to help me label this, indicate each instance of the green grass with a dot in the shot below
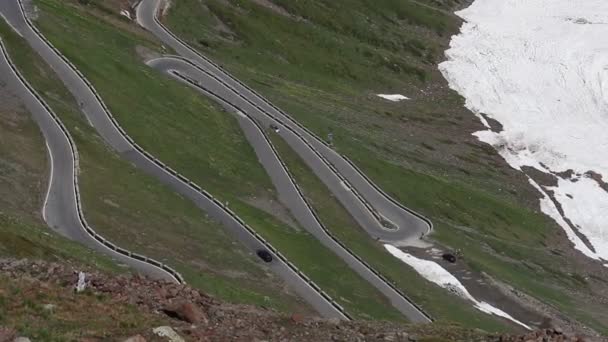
(191, 134)
(323, 65)
(23, 164)
(136, 212)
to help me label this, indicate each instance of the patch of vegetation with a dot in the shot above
(23, 165)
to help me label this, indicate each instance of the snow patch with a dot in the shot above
(393, 97)
(435, 273)
(125, 13)
(540, 68)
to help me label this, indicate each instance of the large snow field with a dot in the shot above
(540, 68)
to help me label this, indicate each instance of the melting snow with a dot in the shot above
(440, 276)
(125, 13)
(393, 97)
(544, 76)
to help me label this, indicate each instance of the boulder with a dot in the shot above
(186, 311)
(136, 338)
(169, 333)
(22, 339)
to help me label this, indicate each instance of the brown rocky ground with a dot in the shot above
(38, 300)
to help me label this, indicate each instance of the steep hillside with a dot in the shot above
(324, 61)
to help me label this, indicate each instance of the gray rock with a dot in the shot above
(136, 338)
(169, 333)
(22, 339)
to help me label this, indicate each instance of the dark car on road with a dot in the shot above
(264, 255)
(449, 257)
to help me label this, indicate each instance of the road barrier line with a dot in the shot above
(303, 198)
(75, 160)
(189, 183)
(361, 199)
(289, 118)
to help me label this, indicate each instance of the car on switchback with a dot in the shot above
(264, 255)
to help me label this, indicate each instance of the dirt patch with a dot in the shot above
(165, 7)
(277, 9)
(274, 208)
(480, 289)
(557, 318)
(598, 179)
(574, 227)
(146, 54)
(495, 126)
(542, 178)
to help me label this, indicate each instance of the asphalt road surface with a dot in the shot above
(61, 208)
(287, 189)
(381, 216)
(101, 120)
(364, 201)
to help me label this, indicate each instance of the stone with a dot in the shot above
(169, 333)
(22, 339)
(297, 318)
(391, 337)
(403, 336)
(186, 311)
(333, 321)
(136, 338)
(82, 282)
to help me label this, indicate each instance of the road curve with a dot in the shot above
(62, 208)
(288, 191)
(371, 207)
(109, 129)
(380, 215)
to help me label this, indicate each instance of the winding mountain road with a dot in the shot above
(107, 127)
(287, 189)
(381, 216)
(62, 209)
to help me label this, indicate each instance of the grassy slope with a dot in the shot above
(135, 211)
(189, 133)
(22, 161)
(20, 239)
(338, 220)
(420, 151)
